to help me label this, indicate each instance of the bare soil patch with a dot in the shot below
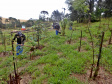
(25, 79)
(4, 54)
(70, 42)
(40, 47)
(102, 78)
(0, 43)
(35, 57)
(59, 53)
(84, 39)
(45, 81)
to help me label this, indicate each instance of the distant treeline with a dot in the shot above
(13, 22)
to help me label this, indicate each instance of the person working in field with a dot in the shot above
(57, 27)
(20, 42)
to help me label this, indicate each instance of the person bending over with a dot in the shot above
(20, 42)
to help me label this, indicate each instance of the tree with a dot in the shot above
(29, 23)
(78, 9)
(108, 7)
(10, 20)
(0, 19)
(18, 24)
(6, 20)
(13, 22)
(73, 14)
(45, 13)
(67, 16)
(64, 10)
(56, 15)
(82, 9)
(1, 22)
(41, 17)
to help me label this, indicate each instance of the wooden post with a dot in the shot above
(31, 56)
(10, 79)
(80, 41)
(99, 57)
(110, 38)
(14, 64)
(38, 40)
(4, 44)
(33, 36)
(9, 39)
(27, 35)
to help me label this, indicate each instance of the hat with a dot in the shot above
(19, 33)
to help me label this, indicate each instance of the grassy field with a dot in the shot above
(60, 62)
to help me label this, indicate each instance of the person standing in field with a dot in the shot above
(20, 42)
(57, 27)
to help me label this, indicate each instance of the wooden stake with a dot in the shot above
(80, 41)
(99, 57)
(71, 37)
(38, 40)
(110, 38)
(14, 63)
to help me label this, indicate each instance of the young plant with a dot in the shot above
(63, 25)
(92, 49)
(39, 32)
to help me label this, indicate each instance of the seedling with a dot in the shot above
(92, 49)
(63, 25)
(70, 37)
(32, 51)
(38, 29)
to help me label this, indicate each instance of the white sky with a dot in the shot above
(26, 9)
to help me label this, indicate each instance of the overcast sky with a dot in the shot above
(26, 9)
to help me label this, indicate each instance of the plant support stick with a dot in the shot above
(80, 41)
(99, 57)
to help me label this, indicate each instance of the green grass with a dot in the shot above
(58, 60)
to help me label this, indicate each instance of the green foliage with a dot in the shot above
(39, 80)
(30, 69)
(35, 74)
(58, 61)
(80, 5)
(33, 43)
(63, 26)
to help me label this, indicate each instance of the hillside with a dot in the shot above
(56, 59)
(3, 20)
